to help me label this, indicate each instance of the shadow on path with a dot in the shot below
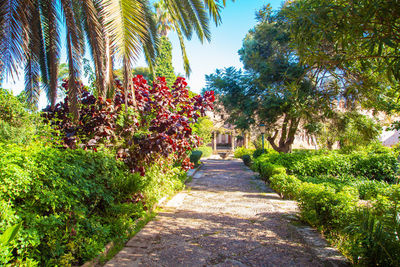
(223, 220)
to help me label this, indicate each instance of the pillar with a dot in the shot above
(215, 142)
(233, 140)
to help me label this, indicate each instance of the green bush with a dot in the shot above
(18, 123)
(195, 157)
(241, 151)
(258, 152)
(375, 166)
(247, 160)
(368, 189)
(71, 202)
(381, 166)
(286, 185)
(206, 150)
(267, 169)
(324, 207)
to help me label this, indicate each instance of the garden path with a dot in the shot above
(226, 217)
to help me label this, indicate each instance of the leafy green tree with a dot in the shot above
(351, 130)
(18, 121)
(203, 128)
(277, 90)
(234, 88)
(163, 64)
(356, 41)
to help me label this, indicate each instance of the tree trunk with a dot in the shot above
(108, 64)
(288, 132)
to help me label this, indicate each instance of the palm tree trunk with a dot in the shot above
(74, 53)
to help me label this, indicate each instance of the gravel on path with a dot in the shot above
(226, 217)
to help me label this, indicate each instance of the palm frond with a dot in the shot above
(132, 27)
(32, 73)
(186, 64)
(51, 29)
(14, 28)
(93, 23)
(179, 17)
(199, 19)
(214, 8)
(32, 65)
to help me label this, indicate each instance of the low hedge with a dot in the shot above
(366, 232)
(71, 202)
(374, 166)
(247, 160)
(195, 157)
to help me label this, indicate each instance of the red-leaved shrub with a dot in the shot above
(158, 128)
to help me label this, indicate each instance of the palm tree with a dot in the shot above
(30, 34)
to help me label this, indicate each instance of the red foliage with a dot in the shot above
(159, 128)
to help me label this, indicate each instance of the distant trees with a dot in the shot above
(203, 128)
(349, 130)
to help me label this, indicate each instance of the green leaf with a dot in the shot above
(10, 234)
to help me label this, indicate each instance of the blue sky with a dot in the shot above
(237, 19)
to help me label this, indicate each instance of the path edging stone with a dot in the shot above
(328, 255)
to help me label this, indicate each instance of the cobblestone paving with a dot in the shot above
(225, 218)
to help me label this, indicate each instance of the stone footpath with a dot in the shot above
(226, 217)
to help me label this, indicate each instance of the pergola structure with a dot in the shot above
(224, 135)
(224, 142)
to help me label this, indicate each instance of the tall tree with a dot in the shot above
(163, 64)
(277, 90)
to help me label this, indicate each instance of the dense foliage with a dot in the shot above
(72, 202)
(73, 188)
(163, 63)
(18, 123)
(353, 198)
(205, 150)
(160, 126)
(203, 128)
(355, 42)
(354, 36)
(241, 151)
(350, 130)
